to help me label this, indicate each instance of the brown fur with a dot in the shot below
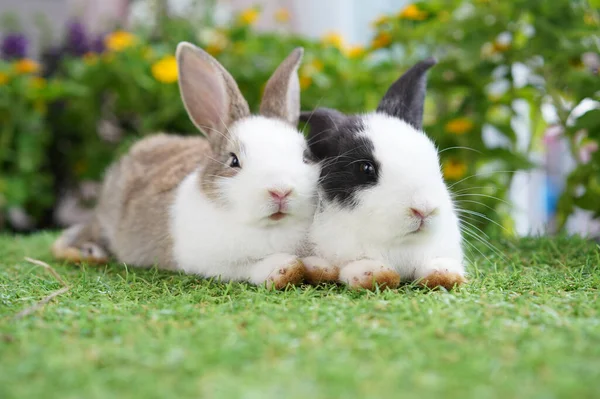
(316, 273)
(446, 280)
(288, 275)
(384, 278)
(131, 220)
(276, 103)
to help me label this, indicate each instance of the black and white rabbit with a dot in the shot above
(385, 213)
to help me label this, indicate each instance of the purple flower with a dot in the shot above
(97, 45)
(76, 42)
(14, 45)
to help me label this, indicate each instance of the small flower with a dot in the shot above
(459, 126)
(14, 45)
(412, 12)
(334, 39)
(355, 52)
(165, 70)
(282, 15)
(37, 82)
(502, 42)
(305, 82)
(76, 41)
(90, 58)
(119, 40)
(383, 39)
(249, 16)
(3, 78)
(454, 169)
(214, 49)
(97, 45)
(26, 65)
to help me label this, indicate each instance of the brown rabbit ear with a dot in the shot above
(281, 98)
(210, 95)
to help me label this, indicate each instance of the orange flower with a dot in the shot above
(165, 69)
(454, 169)
(282, 15)
(334, 39)
(305, 82)
(412, 12)
(90, 58)
(249, 16)
(26, 65)
(459, 126)
(355, 52)
(383, 39)
(3, 78)
(119, 40)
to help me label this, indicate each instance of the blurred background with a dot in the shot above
(513, 103)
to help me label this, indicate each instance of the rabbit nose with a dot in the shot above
(422, 213)
(279, 195)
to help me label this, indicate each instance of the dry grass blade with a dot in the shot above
(48, 298)
(49, 268)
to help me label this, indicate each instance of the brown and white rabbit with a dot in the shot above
(384, 213)
(236, 205)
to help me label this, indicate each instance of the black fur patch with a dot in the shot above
(335, 141)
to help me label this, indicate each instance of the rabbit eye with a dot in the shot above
(367, 168)
(234, 161)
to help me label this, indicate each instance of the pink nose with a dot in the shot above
(279, 195)
(421, 213)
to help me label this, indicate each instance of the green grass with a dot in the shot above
(527, 326)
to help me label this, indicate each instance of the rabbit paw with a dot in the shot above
(318, 270)
(443, 272)
(87, 253)
(368, 274)
(278, 270)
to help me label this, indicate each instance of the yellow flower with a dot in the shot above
(334, 39)
(282, 15)
(26, 65)
(454, 169)
(459, 126)
(37, 82)
(3, 78)
(413, 13)
(382, 20)
(355, 52)
(305, 82)
(119, 40)
(383, 39)
(214, 49)
(500, 47)
(165, 69)
(249, 16)
(90, 58)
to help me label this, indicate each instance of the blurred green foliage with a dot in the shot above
(70, 126)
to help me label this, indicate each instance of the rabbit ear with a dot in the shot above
(281, 98)
(210, 95)
(324, 123)
(405, 99)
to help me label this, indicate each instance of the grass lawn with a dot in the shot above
(527, 326)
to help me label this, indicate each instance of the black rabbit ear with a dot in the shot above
(405, 98)
(323, 124)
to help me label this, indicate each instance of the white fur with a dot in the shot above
(380, 226)
(237, 241)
